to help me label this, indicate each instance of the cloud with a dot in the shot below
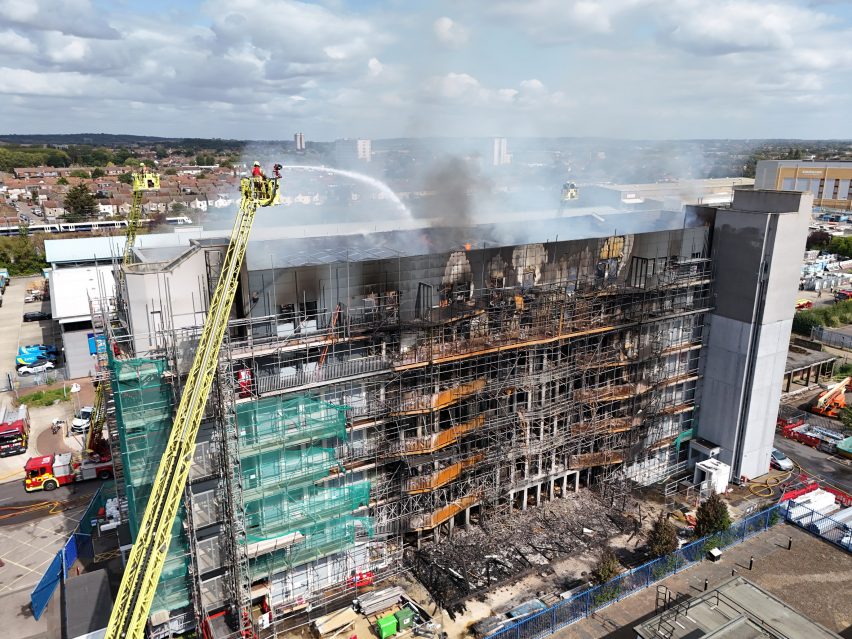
(73, 17)
(15, 43)
(449, 33)
(733, 26)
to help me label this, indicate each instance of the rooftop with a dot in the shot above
(72, 288)
(736, 609)
(325, 244)
(90, 249)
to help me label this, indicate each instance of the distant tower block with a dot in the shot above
(299, 139)
(501, 154)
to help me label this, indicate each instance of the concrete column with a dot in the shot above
(565, 486)
(450, 525)
(550, 489)
(466, 518)
(524, 502)
(576, 482)
(538, 494)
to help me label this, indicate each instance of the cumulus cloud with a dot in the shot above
(734, 26)
(450, 33)
(554, 67)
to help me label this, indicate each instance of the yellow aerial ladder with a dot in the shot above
(139, 583)
(143, 181)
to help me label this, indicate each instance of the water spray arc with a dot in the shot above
(380, 186)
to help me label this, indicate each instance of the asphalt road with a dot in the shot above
(832, 469)
(17, 506)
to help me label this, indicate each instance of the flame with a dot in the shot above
(467, 246)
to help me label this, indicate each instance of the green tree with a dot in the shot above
(662, 538)
(841, 246)
(178, 207)
(712, 516)
(607, 567)
(126, 178)
(20, 254)
(205, 159)
(170, 171)
(62, 181)
(161, 152)
(79, 203)
(97, 173)
(80, 173)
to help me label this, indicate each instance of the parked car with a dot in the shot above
(780, 461)
(38, 348)
(35, 368)
(29, 297)
(27, 356)
(35, 316)
(33, 360)
(80, 424)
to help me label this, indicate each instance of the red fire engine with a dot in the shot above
(51, 471)
(14, 431)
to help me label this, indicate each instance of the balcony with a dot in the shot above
(609, 393)
(605, 426)
(435, 442)
(438, 517)
(588, 460)
(428, 483)
(421, 404)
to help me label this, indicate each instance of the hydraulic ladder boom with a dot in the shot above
(139, 583)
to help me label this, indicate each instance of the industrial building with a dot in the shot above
(376, 391)
(827, 181)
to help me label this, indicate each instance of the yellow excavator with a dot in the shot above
(139, 583)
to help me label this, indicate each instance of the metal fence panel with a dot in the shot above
(582, 605)
(69, 554)
(41, 594)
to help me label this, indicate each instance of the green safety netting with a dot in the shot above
(320, 540)
(144, 412)
(285, 454)
(845, 447)
(284, 449)
(277, 422)
(291, 511)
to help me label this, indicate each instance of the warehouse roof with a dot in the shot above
(88, 250)
(72, 288)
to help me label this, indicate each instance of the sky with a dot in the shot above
(264, 69)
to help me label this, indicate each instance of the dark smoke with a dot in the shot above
(454, 184)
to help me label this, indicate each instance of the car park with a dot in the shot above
(80, 424)
(35, 316)
(36, 368)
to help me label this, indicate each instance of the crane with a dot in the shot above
(139, 583)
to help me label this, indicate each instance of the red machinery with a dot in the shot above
(48, 472)
(832, 400)
(14, 431)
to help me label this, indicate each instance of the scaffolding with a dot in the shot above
(390, 406)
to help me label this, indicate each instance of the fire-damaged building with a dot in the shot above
(377, 390)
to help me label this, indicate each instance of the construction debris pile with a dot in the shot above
(503, 550)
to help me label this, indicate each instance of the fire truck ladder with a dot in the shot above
(142, 182)
(142, 573)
